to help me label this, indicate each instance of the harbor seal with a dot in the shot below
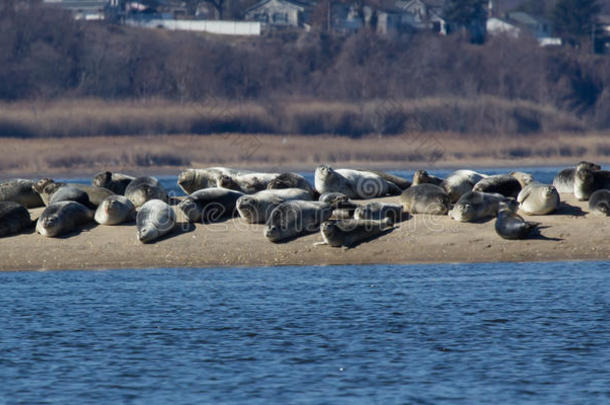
(510, 225)
(247, 183)
(460, 182)
(586, 181)
(599, 202)
(14, 218)
(191, 180)
(538, 199)
(349, 232)
(115, 210)
(378, 210)
(475, 205)
(425, 199)
(523, 178)
(256, 208)
(69, 193)
(504, 184)
(343, 207)
(20, 191)
(154, 220)
(400, 182)
(63, 217)
(291, 180)
(294, 218)
(423, 177)
(142, 189)
(46, 187)
(353, 183)
(564, 180)
(115, 182)
(210, 204)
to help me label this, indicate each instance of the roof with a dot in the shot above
(523, 18)
(294, 3)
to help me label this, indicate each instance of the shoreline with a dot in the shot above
(570, 234)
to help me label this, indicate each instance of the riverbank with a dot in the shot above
(569, 234)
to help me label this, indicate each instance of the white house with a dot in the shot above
(277, 13)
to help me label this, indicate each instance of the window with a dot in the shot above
(280, 18)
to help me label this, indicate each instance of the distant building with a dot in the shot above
(423, 14)
(86, 9)
(518, 23)
(278, 13)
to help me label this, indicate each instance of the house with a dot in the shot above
(85, 9)
(496, 26)
(519, 23)
(278, 13)
(538, 27)
(423, 15)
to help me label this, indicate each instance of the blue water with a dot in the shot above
(479, 333)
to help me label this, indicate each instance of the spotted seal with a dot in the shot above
(291, 219)
(423, 177)
(599, 202)
(342, 206)
(14, 218)
(63, 217)
(142, 189)
(350, 232)
(475, 205)
(291, 180)
(510, 225)
(115, 210)
(353, 183)
(425, 199)
(154, 220)
(564, 180)
(115, 182)
(256, 208)
(69, 193)
(586, 181)
(247, 183)
(379, 210)
(523, 178)
(460, 182)
(20, 191)
(504, 184)
(210, 204)
(191, 180)
(538, 199)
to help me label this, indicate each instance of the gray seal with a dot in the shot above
(291, 180)
(599, 202)
(538, 199)
(115, 182)
(474, 206)
(423, 177)
(143, 189)
(294, 218)
(379, 210)
(504, 184)
(154, 220)
(564, 180)
(353, 183)
(14, 218)
(69, 193)
(586, 181)
(20, 191)
(115, 210)
(460, 182)
(350, 232)
(510, 225)
(191, 180)
(63, 217)
(210, 204)
(256, 208)
(425, 199)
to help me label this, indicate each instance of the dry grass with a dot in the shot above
(86, 155)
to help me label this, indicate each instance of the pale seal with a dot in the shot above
(63, 217)
(353, 183)
(143, 189)
(20, 191)
(425, 199)
(247, 183)
(115, 182)
(154, 220)
(523, 178)
(191, 180)
(460, 182)
(294, 218)
(504, 184)
(423, 177)
(538, 199)
(510, 225)
(115, 210)
(291, 180)
(378, 210)
(350, 232)
(599, 202)
(210, 204)
(14, 218)
(256, 208)
(564, 180)
(586, 181)
(474, 206)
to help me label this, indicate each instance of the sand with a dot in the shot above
(571, 233)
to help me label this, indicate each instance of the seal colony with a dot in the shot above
(337, 206)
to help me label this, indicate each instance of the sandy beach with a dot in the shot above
(571, 233)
